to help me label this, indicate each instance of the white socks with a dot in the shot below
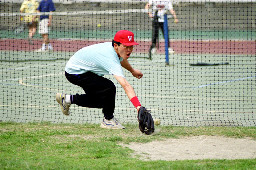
(49, 47)
(43, 47)
(67, 99)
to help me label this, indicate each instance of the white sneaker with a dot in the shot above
(41, 50)
(50, 48)
(111, 124)
(153, 51)
(171, 51)
(60, 98)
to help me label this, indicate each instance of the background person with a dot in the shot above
(45, 23)
(86, 69)
(30, 6)
(160, 7)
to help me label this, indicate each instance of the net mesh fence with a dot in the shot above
(210, 81)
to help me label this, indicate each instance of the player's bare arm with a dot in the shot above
(146, 122)
(147, 6)
(136, 73)
(127, 88)
(50, 19)
(174, 15)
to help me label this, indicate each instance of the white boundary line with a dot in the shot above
(21, 81)
(227, 81)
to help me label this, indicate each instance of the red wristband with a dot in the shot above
(135, 101)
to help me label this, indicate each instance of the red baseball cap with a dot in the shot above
(125, 37)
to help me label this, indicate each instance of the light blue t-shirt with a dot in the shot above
(100, 59)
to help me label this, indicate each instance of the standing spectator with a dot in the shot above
(160, 7)
(30, 6)
(45, 23)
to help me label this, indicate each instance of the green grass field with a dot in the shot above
(86, 146)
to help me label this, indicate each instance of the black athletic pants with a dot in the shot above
(155, 32)
(100, 92)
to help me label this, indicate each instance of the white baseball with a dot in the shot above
(157, 122)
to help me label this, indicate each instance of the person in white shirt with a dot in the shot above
(159, 8)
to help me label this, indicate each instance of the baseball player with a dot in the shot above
(86, 69)
(159, 7)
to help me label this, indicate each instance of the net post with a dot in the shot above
(166, 39)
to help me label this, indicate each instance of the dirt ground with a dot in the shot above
(196, 147)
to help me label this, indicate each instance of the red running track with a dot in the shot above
(179, 46)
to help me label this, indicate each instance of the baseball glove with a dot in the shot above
(146, 122)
